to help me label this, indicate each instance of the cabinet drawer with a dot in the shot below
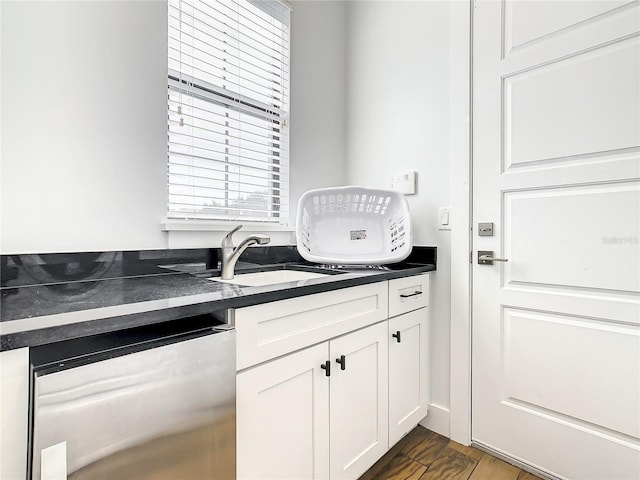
(272, 329)
(408, 293)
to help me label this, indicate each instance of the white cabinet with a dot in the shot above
(291, 413)
(408, 372)
(295, 421)
(14, 404)
(282, 411)
(408, 354)
(273, 329)
(358, 399)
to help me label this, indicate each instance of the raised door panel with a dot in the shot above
(408, 372)
(557, 113)
(529, 24)
(283, 418)
(547, 358)
(358, 401)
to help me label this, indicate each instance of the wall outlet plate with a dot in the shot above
(405, 183)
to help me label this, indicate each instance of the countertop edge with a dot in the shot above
(34, 331)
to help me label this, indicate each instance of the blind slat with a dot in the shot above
(211, 47)
(176, 155)
(267, 37)
(244, 149)
(243, 15)
(207, 195)
(241, 210)
(235, 197)
(240, 205)
(200, 175)
(208, 184)
(206, 50)
(244, 215)
(234, 156)
(219, 213)
(177, 175)
(195, 169)
(253, 134)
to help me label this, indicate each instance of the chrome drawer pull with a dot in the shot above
(407, 295)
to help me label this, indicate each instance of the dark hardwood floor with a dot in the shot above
(426, 455)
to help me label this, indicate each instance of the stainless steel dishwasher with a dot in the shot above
(147, 403)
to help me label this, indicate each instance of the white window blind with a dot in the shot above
(228, 103)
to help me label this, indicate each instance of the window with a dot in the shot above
(228, 102)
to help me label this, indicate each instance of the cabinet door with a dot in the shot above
(283, 418)
(14, 405)
(408, 372)
(359, 401)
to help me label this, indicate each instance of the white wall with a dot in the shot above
(317, 96)
(398, 120)
(83, 125)
(83, 122)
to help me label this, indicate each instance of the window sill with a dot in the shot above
(210, 226)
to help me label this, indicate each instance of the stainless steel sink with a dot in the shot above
(273, 277)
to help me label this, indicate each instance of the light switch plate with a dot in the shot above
(444, 218)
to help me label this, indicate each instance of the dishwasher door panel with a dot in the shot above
(165, 412)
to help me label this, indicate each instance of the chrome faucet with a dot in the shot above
(230, 255)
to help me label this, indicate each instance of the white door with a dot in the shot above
(358, 401)
(408, 372)
(556, 141)
(283, 418)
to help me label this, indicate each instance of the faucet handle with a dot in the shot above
(227, 241)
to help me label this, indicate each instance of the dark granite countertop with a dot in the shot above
(47, 298)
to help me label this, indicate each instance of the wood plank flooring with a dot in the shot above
(426, 455)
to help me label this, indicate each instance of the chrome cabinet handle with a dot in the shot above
(485, 257)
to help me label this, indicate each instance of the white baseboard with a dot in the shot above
(437, 420)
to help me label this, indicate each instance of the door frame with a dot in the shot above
(460, 72)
